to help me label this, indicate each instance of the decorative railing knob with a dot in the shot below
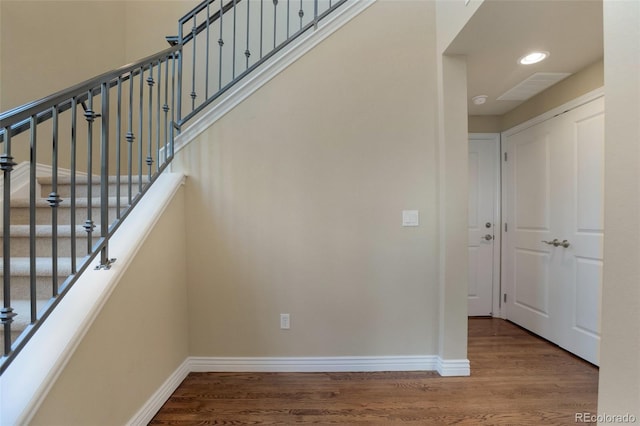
(54, 199)
(6, 163)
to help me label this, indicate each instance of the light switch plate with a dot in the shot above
(410, 218)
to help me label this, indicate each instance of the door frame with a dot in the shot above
(496, 305)
(567, 106)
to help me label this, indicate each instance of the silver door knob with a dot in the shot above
(565, 243)
(556, 242)
(488, 237)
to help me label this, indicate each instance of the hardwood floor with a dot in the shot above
(517, 379)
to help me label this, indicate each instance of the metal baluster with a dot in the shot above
(315, 14)
(174, 96)
(301, 13)
(193, 70)
(130, 138)
(165, 107)
(118, 140)
(33, 186)
(140, 136)
(275, 20)
(220, 44)
(247, 52)
(54, 201)
(90, 116)
(288, 15)
(6, 313)
(206, 81)
(158, 116)
(178, 108)
(149, 160)
(261, 24)
(74, 127)
(105, 262)
(233, 53)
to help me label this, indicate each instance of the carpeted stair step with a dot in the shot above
(20, 276)
(20, 240)
(20, 211)
(64, 185)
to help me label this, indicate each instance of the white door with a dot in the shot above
(484, 151)
(554, 212)
(582, 261)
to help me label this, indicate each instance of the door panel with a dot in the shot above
(589, 146)
(585, 229)
(528, 278)
(554, 190)
(531, 173)
(531, 286)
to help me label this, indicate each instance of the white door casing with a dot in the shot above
(484, 224)
(554, 190)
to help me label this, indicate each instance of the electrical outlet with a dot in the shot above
(285, 322)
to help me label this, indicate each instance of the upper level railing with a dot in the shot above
(225, 41)
(106, 140)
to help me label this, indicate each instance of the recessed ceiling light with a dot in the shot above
(533, 58)
(479, 100)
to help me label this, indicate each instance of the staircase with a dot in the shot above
(126, 120)
(68, 242)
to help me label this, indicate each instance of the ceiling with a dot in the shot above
(502, 31)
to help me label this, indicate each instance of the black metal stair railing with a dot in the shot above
(113, 135)
(225, 41)
(106, 140)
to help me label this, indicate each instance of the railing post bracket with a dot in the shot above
(106, 265)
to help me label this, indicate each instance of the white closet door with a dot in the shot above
(528, 277)
(555, 192)
(582, 261)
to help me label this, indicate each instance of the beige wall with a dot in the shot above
(619, 390)
(453, 15)
(453, 203)
(485, 123)
(295, 200)
(137, 341)
(50, 45)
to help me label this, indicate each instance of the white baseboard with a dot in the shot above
(153, 404)
(314, 364)
(453, 367)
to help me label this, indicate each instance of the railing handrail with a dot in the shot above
(203, 25)
(13, 117)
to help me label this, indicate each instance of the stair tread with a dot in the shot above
(66, 203)
(21, 266)
(23, 231)
(80, 180)
(22, 307)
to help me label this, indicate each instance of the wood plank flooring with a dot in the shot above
(517, 379)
